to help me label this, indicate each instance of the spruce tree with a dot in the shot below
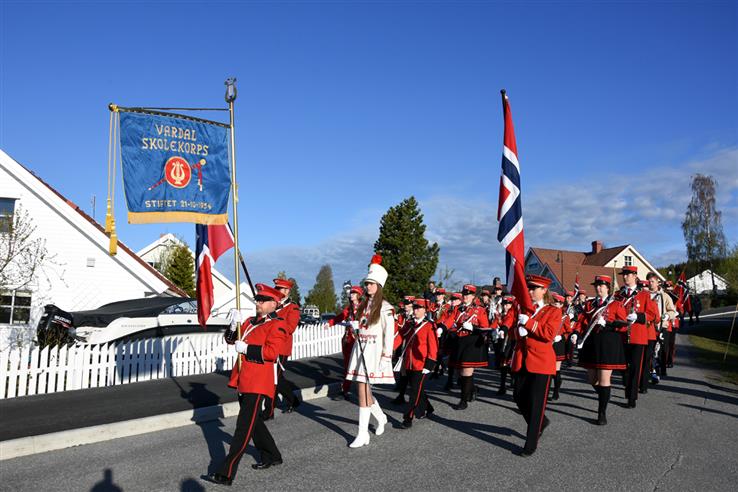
(179, 266)
(406, 253)
(323, 293)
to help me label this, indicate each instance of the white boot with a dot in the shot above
(362, 438)
(381, 418)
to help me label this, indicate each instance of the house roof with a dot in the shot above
(171, 287)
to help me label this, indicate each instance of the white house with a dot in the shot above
(702, 283)
(80, 274)
(223, 289)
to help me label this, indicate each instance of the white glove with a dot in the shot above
(523, 319)
(234, 316)
(571, 316)
(601, 321)
(664, 316)
(557, 338)
(522, 331)
(355, 326)
(500, 334)
(467, 326)
(573, 338)
(661, 336)
(439, 332)
(241, 346)
(425, 371)
(632, 317)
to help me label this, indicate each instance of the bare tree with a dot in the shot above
(22, 253)
(702, 228)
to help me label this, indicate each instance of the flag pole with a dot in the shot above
(230, 97)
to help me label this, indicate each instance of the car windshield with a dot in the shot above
(189, 307)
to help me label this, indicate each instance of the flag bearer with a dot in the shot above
(262, 340)
(418, 360)
(534, 361)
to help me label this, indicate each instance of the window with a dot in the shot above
(628, 260)
(15, 307)
(7, 208)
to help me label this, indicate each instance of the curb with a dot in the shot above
(25, 446)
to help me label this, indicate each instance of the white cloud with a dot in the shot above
(644, 210)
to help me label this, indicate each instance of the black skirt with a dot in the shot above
(504, 349)
(560, 349)
(603, 350)
(470, 351)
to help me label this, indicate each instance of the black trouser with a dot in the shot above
(249, 425)
(285, 388)
(664, 351)
(671, 349)
(530, 396)
(402, 380)
(418, 403)
(646, 366)
(634, 355)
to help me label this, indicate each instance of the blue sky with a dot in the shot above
(346, 108)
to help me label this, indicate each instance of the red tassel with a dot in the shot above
(376, 259)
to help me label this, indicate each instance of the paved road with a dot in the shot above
(682, 436)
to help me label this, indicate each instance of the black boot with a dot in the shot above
(557, 385)
(603, 397)
(464, 383)
(503, 382)
(473, 390)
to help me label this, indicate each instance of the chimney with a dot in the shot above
(596, 247)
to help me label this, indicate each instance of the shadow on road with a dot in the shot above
(327, 420)
(710, 410)
(191, 485)
(106, 485)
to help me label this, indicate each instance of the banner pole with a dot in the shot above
(230, 97)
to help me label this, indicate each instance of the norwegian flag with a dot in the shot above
(682, 293)
(212, 242)
(576, 285)
(510, 214)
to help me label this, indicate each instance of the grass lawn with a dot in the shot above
(709, 341)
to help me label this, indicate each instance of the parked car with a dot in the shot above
(327, 317)
(133, 319)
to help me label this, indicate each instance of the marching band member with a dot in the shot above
(571, 310)
(534, 361)
(436, 311)
(641, 311)
(602, 349)
(347, 342)
(505, 344)
(371, 359)
(448, 337)
(667, 314)
(560, 340)
(417, 360)
(403, 323)
(262, 341)
(471, 325)
(290, 312)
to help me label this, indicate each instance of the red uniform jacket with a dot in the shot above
(265, 338)
(614, 315)
(290, 313)
(346, 315)
(421, 351)
(535, 350)
(639, 302)
(448, 316)
(476, 315)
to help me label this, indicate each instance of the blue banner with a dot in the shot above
(174, 169)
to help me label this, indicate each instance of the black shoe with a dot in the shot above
(643, 391)
(428, 414)
(217, 478)
(462, 405)
(631, 404)
(601, 419)
(555, 396)
(267, 416)
(264, 466)
(400, 400)
(524, 453)
(292, 407)
(501, 391)
(406, 424)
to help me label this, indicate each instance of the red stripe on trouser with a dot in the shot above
(248, 435)
(417, 396)
(545, 398)
(640, 370)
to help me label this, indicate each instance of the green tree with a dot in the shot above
(178, 265)
(323, 293)
(702, 228)
(406, 253)
(295, 291)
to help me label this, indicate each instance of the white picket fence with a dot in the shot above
(32, 371)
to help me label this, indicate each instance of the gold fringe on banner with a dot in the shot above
(159, 217)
